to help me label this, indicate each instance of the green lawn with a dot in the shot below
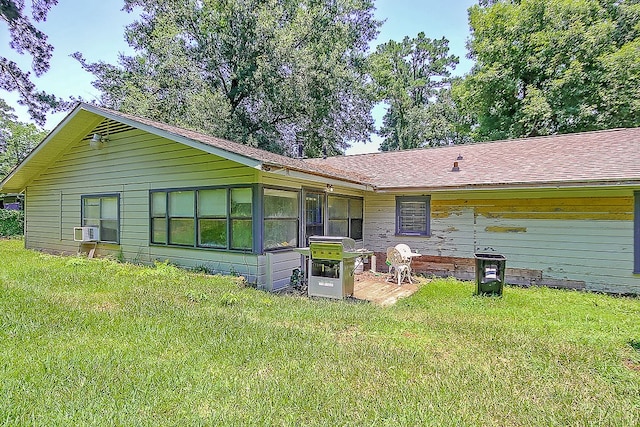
(95, 342)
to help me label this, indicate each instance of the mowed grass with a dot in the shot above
(95, 342)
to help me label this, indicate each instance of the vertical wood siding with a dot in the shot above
(575, 236)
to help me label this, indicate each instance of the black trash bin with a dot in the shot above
(490, 273)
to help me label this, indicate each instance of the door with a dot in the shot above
(314, 212)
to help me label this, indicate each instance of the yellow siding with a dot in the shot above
(579, 208)
(580, 235)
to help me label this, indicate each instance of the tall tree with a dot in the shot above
(26, 38)
(552, 66)
(412, 78)
(264, 72)
(17, 139)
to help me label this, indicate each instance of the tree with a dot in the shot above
(552, 66)
(25, 37)
(16, 139)
(268, 73)
(412, 78)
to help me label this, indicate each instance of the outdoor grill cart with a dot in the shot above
(331, 266)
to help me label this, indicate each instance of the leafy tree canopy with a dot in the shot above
(16, 139)
(552, 66)
(412, 78)
(26, 38)
(268, 73)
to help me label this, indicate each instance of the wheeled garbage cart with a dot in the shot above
(490, 273)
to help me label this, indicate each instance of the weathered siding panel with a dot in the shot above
(213, 261)
(575, 236)
(275, 269)
(131, 164)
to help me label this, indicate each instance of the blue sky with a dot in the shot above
(96, 29)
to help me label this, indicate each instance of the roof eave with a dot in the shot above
(26, 171)
(310, 175)
(229, 155)
(513, 186)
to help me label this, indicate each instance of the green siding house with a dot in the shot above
(562, 209)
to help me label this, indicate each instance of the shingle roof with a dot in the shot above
(581, 159)
(574, 159)
(571, 159)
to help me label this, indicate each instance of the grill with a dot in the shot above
(331, 266)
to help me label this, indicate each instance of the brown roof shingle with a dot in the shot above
(574, 159)
(582, 159)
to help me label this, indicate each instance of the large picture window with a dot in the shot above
(412, 215)
(103, 211)
(220, 218)
(280, 218)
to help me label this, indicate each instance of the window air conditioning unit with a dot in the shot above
(86, 234)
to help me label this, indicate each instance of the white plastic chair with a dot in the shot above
(399, 265)
(404, 250)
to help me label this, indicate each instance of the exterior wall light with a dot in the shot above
(97, 141)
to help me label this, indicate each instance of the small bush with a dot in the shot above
(11, 223)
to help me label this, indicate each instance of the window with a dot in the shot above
(103, 211)
(344, 217)
(241, 219)
(182, 227)
(338, 218)
(159, 217)
(636, 239)
(412, 215)
(280, 218)
(355, 218)
(212, 218)
(220, 218)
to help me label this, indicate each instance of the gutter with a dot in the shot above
(308, 174)
(513, 186)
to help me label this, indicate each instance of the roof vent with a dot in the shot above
(455, 167)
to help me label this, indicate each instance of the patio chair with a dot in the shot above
(399, 265)
(389, 250)
(404, 250)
